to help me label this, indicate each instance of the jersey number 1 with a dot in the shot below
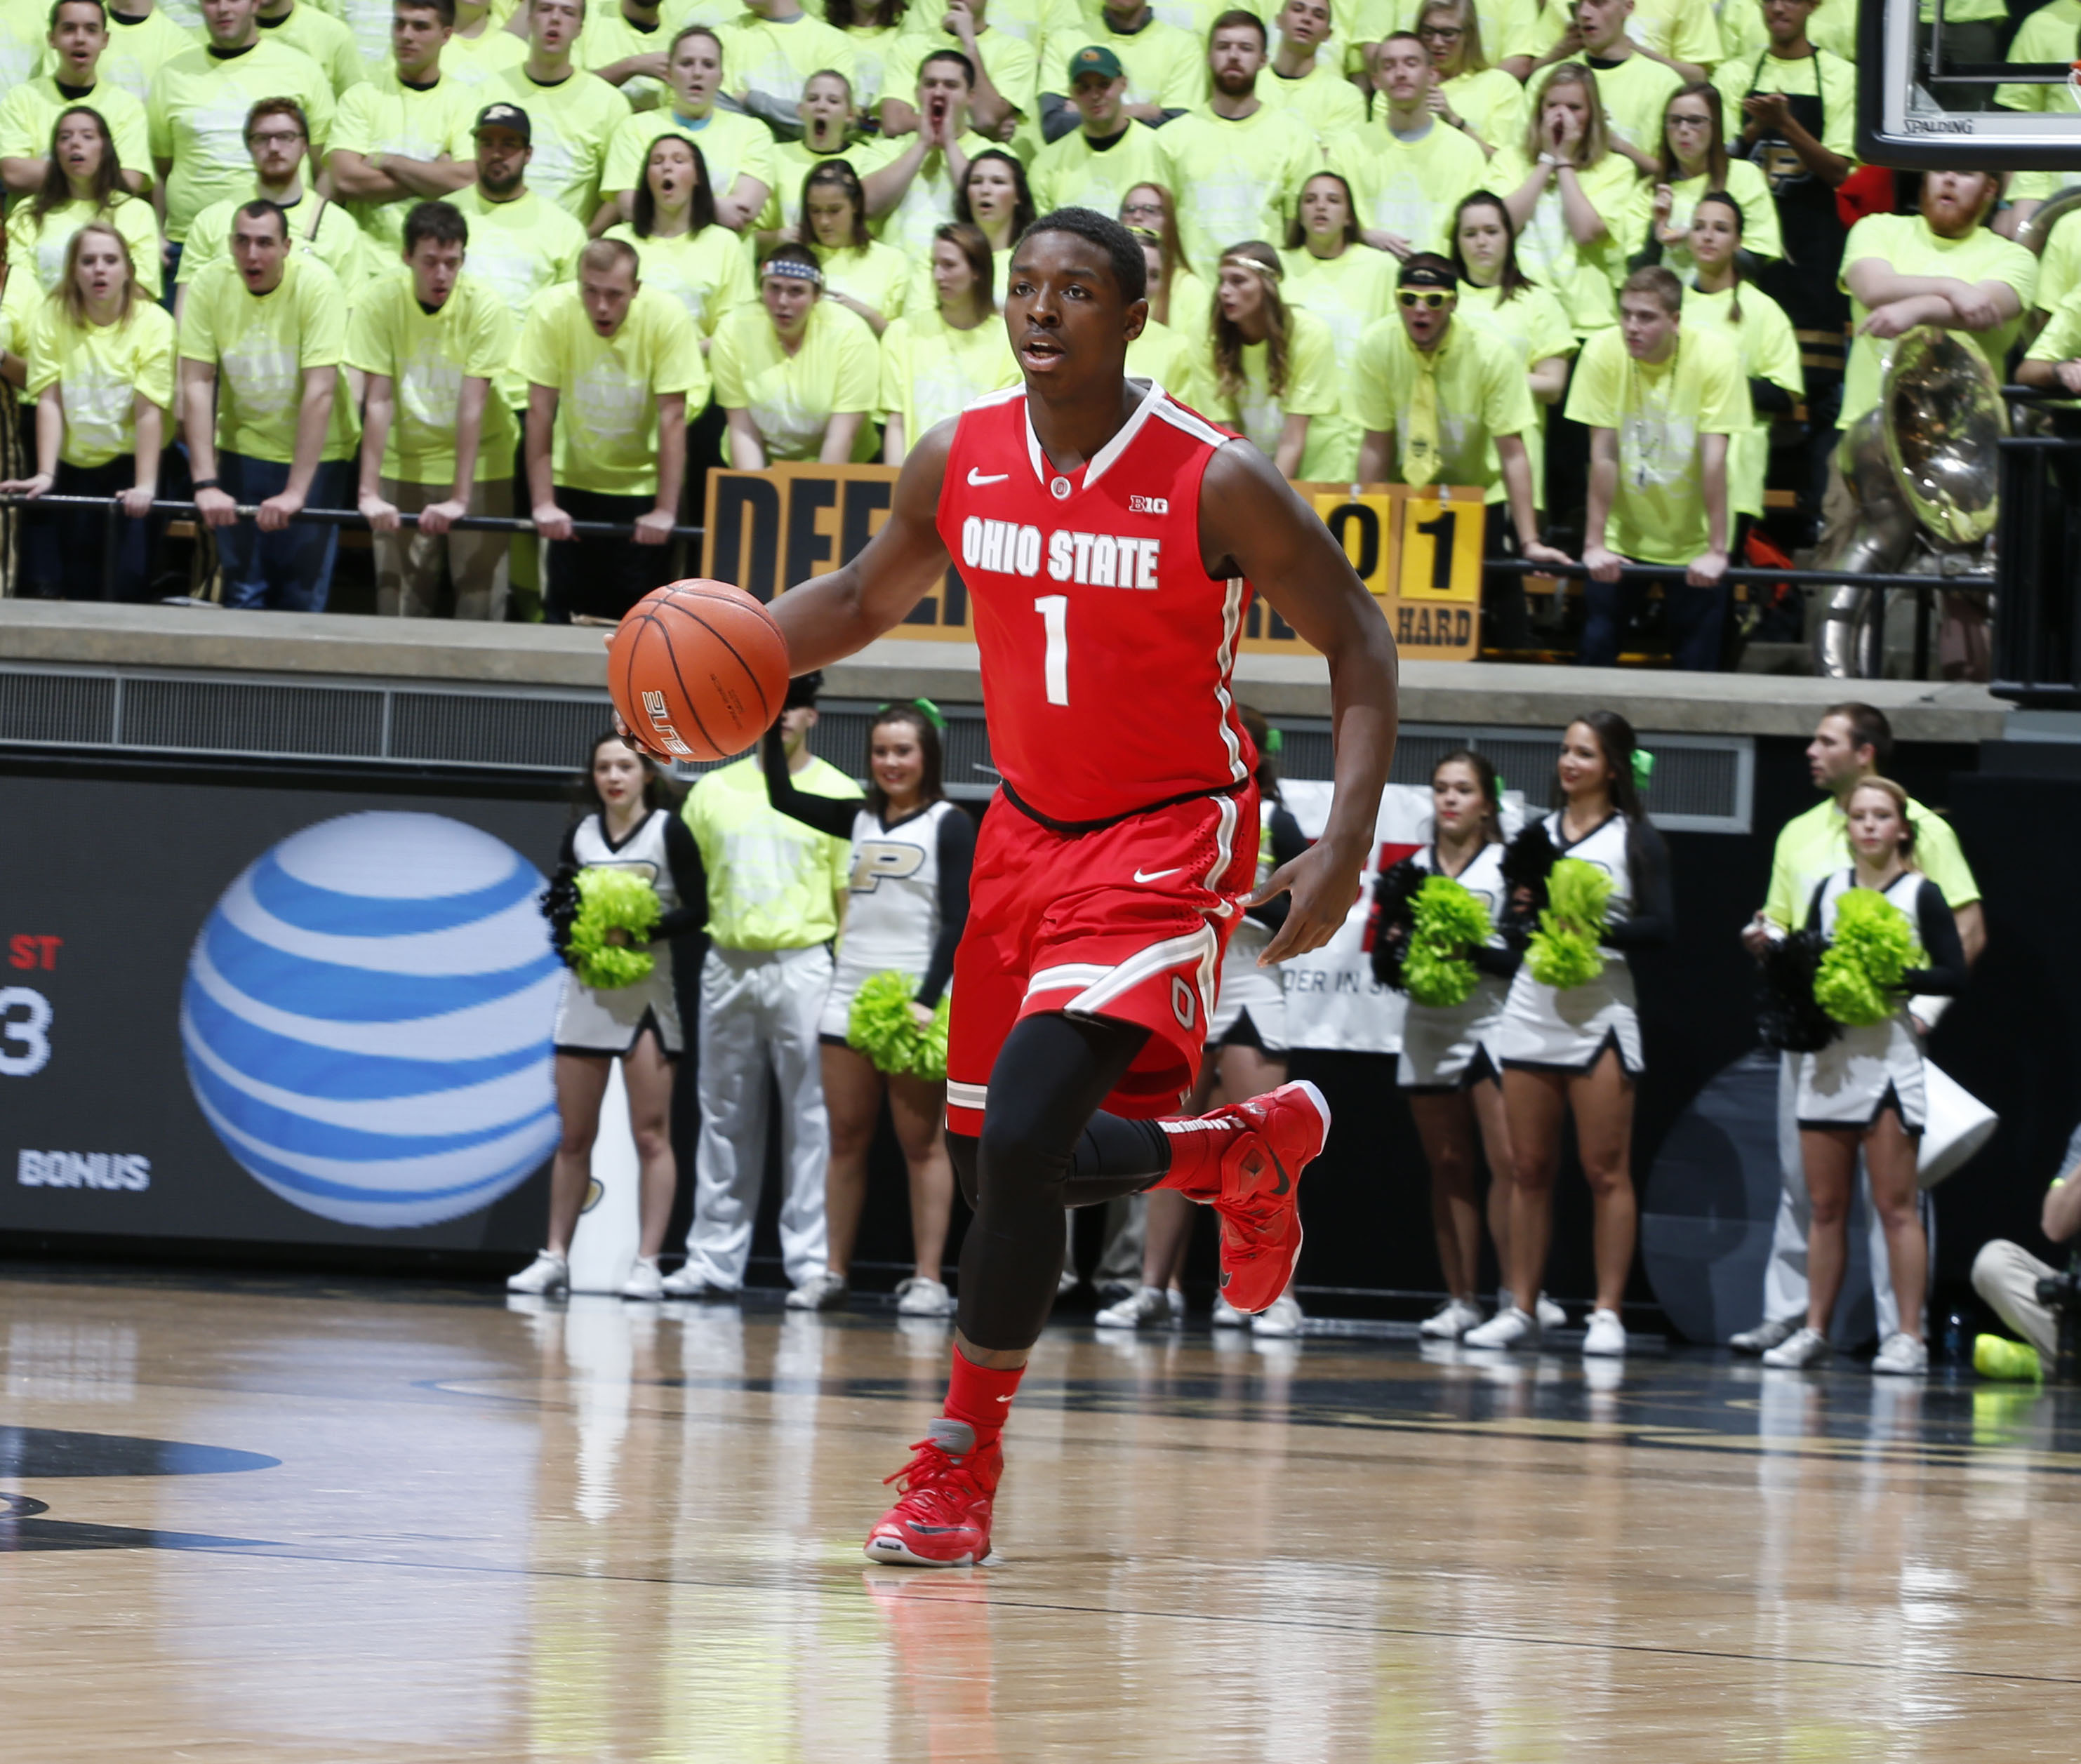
(1055, 610)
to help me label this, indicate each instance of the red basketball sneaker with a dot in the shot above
(1257, 1195)
(943, 1520)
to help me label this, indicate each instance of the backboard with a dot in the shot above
(1925, 102)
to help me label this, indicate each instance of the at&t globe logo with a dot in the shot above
(366, 1019)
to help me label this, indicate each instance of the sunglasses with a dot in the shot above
(1434, 298)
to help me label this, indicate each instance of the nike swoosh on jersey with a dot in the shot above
(1157, 876)
(978, 478)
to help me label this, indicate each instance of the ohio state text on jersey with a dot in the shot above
(1106, 647)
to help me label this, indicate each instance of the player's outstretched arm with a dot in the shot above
(832, 616)
(1252, 524)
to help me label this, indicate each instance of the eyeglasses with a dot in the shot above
(1433, 299)
(275, 137)
(1441, 33)
(1142, 207)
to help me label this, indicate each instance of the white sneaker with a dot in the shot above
(1278, 1320)
(1766, 1335)
(1148, 1309)
(1451, 1321)
(919, 1296)
(545, 1273)
(1605, 1334)
(644, 1281)
(1902, 1356)
(1227, 1317)
(1801, 1348)
(683, 1283)
(825, 1291)
(1550, 1315)
(1510, 1328)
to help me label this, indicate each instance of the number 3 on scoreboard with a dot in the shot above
(1055, 610)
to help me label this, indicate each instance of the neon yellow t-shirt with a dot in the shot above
(521, 248)
(426, 356)
(1832, 27)
(1164, 66)
(1635, 93)
(793, 163)
(706, 272)
(2060, 338)
(878, 277)
(930, 371)
(1161, 355)
(1813, 845)
(1235, 180)
(99, 371)
(324, 229)
(1659, 411)
(793, 398)
(928, 202)
(385, 116)
(1009, 63)
(1829, 77)
(1905, 243)
(40, 245)
(135, 52)
(29, 112)
(608, 37)
(1746, 184)
(1322, 98)
(1069, 173)
(732, 145)
(1347, 293)
(1583, 280)
(1312, 390)
(261, 346)
(1494, 104)
(196, 118)
(1481, 394)
(872, 50)
(1505, 26)
(480, 59)
(1769, 350)
(774, 882)
(608, 387)
(1410, 187)
(775, 60)
(2048, 34)
(1532, 323)
(325, 40)
(572, 120)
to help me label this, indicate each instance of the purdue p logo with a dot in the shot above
(879, 860)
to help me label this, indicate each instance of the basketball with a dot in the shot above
(698, 670)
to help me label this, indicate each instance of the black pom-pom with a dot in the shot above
(1527, 861)
(1787, 1018)
(1393, 896)
(559, 903)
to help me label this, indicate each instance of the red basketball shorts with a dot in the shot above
(1128, 922)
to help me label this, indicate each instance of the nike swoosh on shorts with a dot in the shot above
(1157, 876)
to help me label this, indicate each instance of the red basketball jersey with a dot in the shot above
(1106, 647)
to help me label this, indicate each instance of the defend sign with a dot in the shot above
(1419, 551)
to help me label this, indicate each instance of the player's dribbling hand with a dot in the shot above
(1323, 883)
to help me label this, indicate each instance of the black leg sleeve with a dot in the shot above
(1050, 1077)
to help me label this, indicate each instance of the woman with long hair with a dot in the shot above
(1246, 1056)
(1866, 1092)
(1348, 285)
(680, 248)
(1180, 299)
(737, 150)
(904, 907)
(1693, 162)
(1160, 353)
(1453, 1084)
(100, 367)
(796, 378)
(1274, 366)
(625, 821)
(937, 361)
(869, 280)
(1721, 298)
(1485, 103)
(82, 183)
(1575, 1047)
(1570, 197)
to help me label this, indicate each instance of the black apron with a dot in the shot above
(1804, 282)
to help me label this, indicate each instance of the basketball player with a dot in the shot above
(1108, 536)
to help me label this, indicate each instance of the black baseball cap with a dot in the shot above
(505, 116)
(1427, 269)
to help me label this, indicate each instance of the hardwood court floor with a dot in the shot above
(302, 1520)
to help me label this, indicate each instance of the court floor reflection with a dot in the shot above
(370, 1526)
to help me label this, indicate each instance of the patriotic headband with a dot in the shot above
(794, 266)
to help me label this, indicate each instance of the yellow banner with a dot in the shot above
(1419, 551)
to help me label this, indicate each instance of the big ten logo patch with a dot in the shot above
(884, 860)
(769, 529)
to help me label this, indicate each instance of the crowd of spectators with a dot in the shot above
(553, 260)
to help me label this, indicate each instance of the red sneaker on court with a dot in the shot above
(1259, 1200)
(943, 1520)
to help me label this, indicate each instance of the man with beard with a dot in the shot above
(1236, 163)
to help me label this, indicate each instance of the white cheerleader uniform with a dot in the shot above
(1447, 1047)
(893, 911)
(1569, 1030)
(1244, 986)
(597, 1020)
(1849, 1082)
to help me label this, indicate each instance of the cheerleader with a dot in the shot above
(1865, 1090)
(906, 903)
(1454, 1086)
(1245, 1054)
(628, 824)
(1579, 1049)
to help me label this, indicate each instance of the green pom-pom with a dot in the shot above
(1563, 952)
(1874, 946)
(612, 900)
(1445, 921)
(882, 1026)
